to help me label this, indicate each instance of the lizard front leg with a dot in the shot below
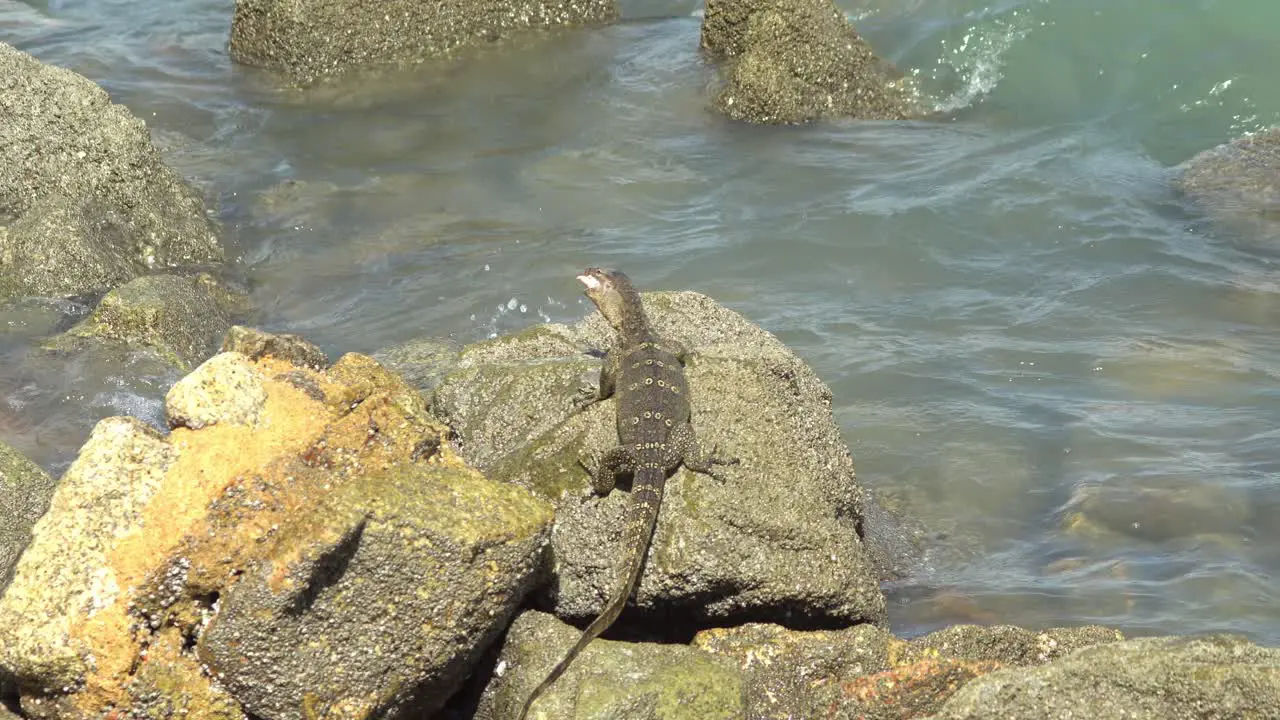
(588, 396)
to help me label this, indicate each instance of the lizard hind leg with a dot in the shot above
(683, 446)
(616, 461)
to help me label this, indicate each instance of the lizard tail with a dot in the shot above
(646, 498)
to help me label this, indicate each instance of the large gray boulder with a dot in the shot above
(25, 490)
(1238, 183)
(779, 539)
(85, 201)
(794, 61)
(1146, 679)
(308, 39)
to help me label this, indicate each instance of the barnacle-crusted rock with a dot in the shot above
(85, 201)
(177, 318)
(1238, 183)
(25, 490)
(759, 546)
(793, 61)
(308, 39)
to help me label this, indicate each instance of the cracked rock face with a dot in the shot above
(778, 540)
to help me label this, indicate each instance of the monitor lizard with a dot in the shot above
(646, 375)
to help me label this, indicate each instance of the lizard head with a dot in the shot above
(612, 293)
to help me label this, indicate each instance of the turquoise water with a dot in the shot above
(1039, 354)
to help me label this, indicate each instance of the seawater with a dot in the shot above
(1041, 357)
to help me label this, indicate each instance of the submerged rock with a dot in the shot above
(25, 490)
(794, 61)
(1238, 183)
(1146, 679)
(636, 681)
(326, 555)
(177, 318)
(778, 540)
(85, 202)
(308, 39)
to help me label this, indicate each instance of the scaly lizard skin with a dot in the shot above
(655, 437)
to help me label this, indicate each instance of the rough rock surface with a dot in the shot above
(25, 490)
(794, 61)
(1145, 679)
(308, 39)
(1239, 184)
(54, 613)
(175, 317)
(778, 540)
(864, 672)
(85, 202)
(255, 344)
(637, 681)
(226, 389)
(332, 526)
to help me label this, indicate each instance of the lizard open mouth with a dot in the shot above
(590, 280)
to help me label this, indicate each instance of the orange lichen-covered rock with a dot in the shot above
(287, 502)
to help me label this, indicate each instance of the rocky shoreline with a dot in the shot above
(411, 535)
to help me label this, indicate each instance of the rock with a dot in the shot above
(1157, 509)
(422, 362)
(1238, 183)
(863, 671)
(175, 317)
(49, 616)
(1216, 676)
(226, 389)
(25, 490)
(637, 681)
(314, 545)
(778, 540)
(794, 61)
(378, 602)
(255, 344)
(85, 202)
(308, 39)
